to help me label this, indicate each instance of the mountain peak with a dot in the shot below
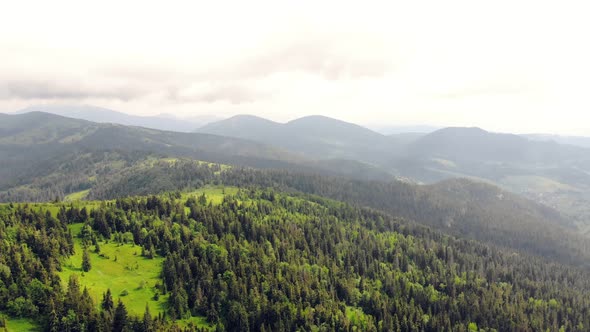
(319, 120)
(461, 131)
(326, 126)
(247, 117)
(105, 115)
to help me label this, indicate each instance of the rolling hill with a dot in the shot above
(316, 137)
(550, 173)
(104, 115)
(46, 156)
(554, 174)
(43, 155)
(580, 141)
(458, 206)
(475, 144)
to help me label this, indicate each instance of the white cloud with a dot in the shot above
(503, 65)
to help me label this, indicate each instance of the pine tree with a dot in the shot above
(120, 318)
(107, 301)
(86, 266)
(147, 319)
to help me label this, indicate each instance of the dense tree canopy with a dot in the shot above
(265, 260)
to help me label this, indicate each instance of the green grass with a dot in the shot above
(20, 324)
(77, 196)
(214, 194)
(200, 322)
(130, 272)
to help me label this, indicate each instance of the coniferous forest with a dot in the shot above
(262, 166)
(261, 259)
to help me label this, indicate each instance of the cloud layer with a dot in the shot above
(503, 66)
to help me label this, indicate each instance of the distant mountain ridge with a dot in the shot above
(581, 141)
(460, 143)
(35, 145)
(316, 136)
(103, 115)
(555, 174)
(544, 170)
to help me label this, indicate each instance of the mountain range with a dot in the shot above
(557, 175)
(104, 115)
(316, 137)
(552, 173)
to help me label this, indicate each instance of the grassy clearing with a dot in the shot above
(130, 273)
(214, 194)
(534, 183)
(77, 196)
(19, 325)
(198, 321)
(122, 270)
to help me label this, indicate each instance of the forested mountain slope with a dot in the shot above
(459, 207)
(557, 175)
(44, 156)
(54, 132)
(265, 260)
(553, 174)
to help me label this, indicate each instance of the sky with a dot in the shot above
(508, 66)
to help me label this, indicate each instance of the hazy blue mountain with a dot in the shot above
(557, 175)
(244, 126)
(104, 115)
(580, 141)
(53, 130)
(316, 137)
(393, 130)
(476, 144)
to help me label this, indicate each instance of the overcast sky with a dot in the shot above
(511, 66)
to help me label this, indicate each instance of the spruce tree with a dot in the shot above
(120, 318)
(107, 301)
(86, 265)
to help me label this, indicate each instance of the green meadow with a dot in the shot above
(19, 325)
(77, 196)
(214, 194)
(120, 268)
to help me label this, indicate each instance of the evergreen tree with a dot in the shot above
(107, 301)
(147, 319)
(120, 318)
(86, 265)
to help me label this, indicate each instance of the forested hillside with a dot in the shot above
(264, 260)
(268, 249)
(458, 207)
(557, 175)
(45, 156)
